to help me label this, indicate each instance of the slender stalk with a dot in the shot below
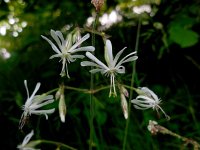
(154, 128)
(92, 105)
(132, 82)
(58, 144)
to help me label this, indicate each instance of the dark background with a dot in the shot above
(168, 63)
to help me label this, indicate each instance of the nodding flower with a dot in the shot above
(147, 99)
(34, 103)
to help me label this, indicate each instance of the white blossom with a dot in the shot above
(67, 48)
(113, 66)
(147, 99)
(34, 103)
(25, 144)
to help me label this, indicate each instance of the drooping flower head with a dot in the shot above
(113, 66)
(67, 48)
(147, 99)
(34, 103)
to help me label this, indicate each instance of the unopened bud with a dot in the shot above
(58, 94)
(76, 36)
(62, 108)
(97, 4)
(124, 105)
(152, 127)
(124, 91)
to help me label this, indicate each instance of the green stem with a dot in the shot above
(131, 91)
(92, 105)
(59, 144)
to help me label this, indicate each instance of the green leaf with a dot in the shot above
(183, 37)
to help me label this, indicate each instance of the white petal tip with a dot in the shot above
(62, 118)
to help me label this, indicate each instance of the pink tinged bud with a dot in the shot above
(124, 106)
(97, 4)
(152, 127)
(125, 91)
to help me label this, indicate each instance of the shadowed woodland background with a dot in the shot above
(169, 64)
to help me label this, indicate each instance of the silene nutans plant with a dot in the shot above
(96, 95)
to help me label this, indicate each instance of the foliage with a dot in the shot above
(168, 63)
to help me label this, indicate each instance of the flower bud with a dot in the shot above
(62, 108)
(124, 105)
(97, 4)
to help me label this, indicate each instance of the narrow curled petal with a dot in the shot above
(108, 53)
(34, 92)
(92, 57)
(123, 59)
(57, 38)
(118, 55)
(77, 56)
(40, 98)
(130, 59)
(149, 93)
(55, 55)
(25, 83)
(97, 70)
(120, 69)
(59, 34)
(27, 138)
(89, 63)
(36, 106)
(52, 45)
(85, 48)
(44, 112)
(79, 42)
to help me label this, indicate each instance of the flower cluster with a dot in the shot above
(66, 50)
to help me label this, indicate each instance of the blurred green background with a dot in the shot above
(169, 64)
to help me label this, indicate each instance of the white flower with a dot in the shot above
(34, 103)
(147, 99)
(67, 48)
(25, 145)
(113, 66)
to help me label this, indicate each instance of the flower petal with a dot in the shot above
(77, 56)
(57, 39)
(92, 57)
(27, 138)
(108, 53)
(118, 55)
(36, 106)
(130, 59)
(96, 70)
(86, 48)
(122, 60)
(89, 63)
(39, 112)
(52, 45)
(56, 55)
(34, 92)
(79, 42)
